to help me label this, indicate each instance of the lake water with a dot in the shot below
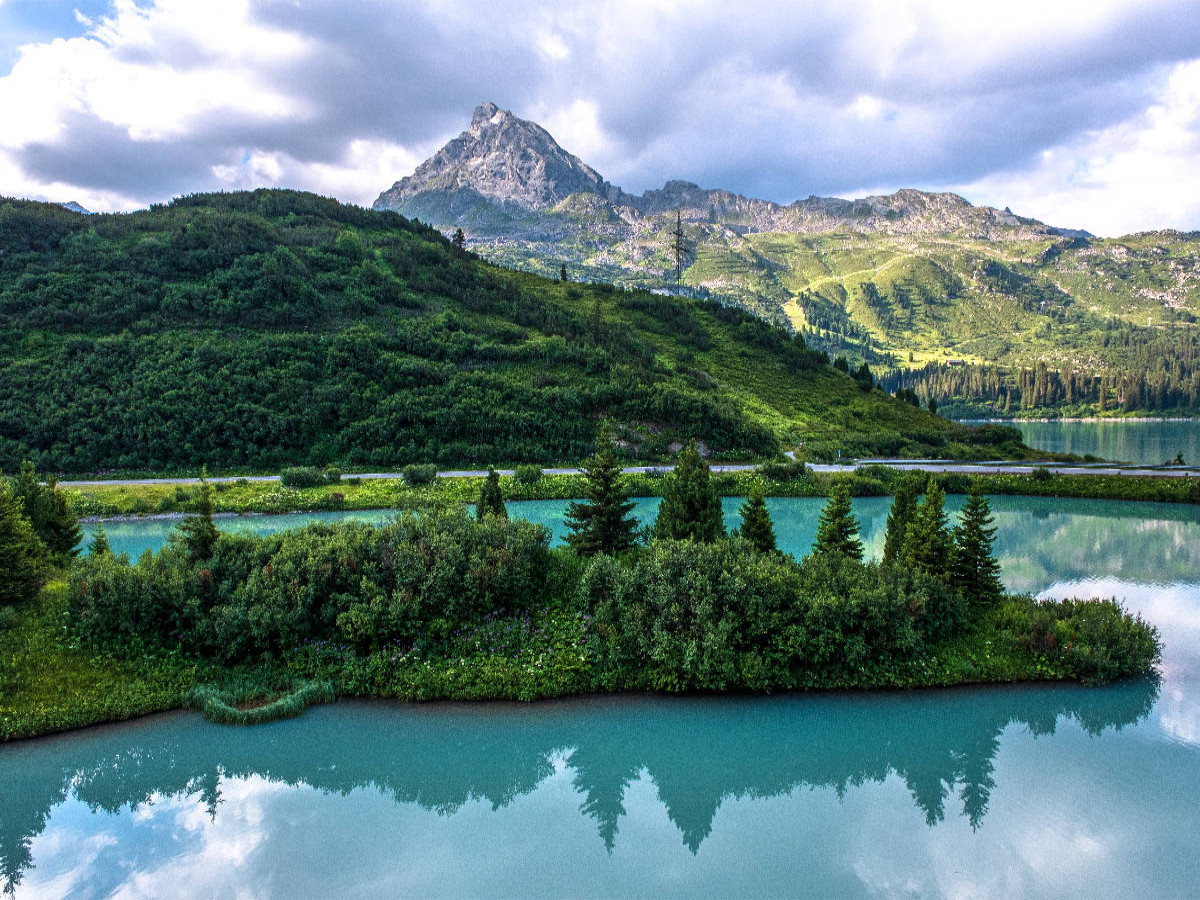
(1145, 443)
(1047, 791)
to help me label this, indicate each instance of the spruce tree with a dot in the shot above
(973, 569)
(491, 500)
(756, 523)
(927, 544)
(690, 508)
(48, 512)
(22, 555)
(904, 507)
(197, 531)
(99, 545)
(601, 523)
(837, 529)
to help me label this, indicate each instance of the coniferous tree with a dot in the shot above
(927, 544)
(837, 529)
(904, 507)
(459, 240)
(491, 500)
(690, 508)
(756, 523)
(22, 555)
(48, 512)
(974, 569)
(601, 523)
(99, 545)
(197, 531)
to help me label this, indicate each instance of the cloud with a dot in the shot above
(1059, 110)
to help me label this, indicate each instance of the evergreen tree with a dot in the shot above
(927, 544)
(756, 523)
(837, 529)
(197, 531)
(491, 500)
(973, 569)
(48, 512)
(22, 555)
(601, 523)
(459, 240)
(562, 273)
(904, 507)
(690, 508)
(99, 545)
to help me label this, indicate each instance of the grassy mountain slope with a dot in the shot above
(254, 329)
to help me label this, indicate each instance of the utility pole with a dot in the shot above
(679, 246)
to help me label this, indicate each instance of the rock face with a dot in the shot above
(500, 159)
(503, 168)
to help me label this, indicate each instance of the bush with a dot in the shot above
(528, 475)
(298, 477)
(1041, 474)
(417, 474)
(251, 700)
(783, 470)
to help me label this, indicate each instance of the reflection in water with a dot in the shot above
(697, 753)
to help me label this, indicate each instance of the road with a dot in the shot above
(924, 465)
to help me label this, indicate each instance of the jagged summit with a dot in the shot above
(502, 159)
(504, 176)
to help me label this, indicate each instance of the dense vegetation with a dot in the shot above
(1113, 322)
(257, 330)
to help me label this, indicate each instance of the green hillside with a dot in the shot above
(1111, 317)
(249, 330)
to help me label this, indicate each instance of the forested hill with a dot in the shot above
(249, 330)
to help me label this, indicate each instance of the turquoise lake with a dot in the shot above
(1145, 443)
(1027, 791)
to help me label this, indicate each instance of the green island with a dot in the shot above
(441, 604)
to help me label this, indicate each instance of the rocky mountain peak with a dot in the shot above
(501, 158)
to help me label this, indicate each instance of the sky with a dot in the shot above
(1081, 114)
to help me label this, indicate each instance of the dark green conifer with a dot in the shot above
(974, 569)
(197, 531)
(927, 544)
(690, 508)
(601, 523)
(22, 555)
(491, 500)
(48, 512)
(756, 523)
(837, 529)
(904, 507)
(99, 545)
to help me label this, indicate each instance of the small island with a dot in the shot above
(443, 604)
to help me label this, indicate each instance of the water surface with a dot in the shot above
(1047, 791)
(1144, 443)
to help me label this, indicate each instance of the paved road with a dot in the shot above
(925, 465)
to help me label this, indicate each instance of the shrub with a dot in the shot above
(528, 475)
(251, 700)
(419, 473)
(298, 477)
(783, 470)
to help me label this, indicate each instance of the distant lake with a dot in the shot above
(1145, 443)
(1030, 791)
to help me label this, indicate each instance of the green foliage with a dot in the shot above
(1094, 641)
(602, 523)
(904, 507)
(927, 547)
(299, 477)
(263, 697)
(690, 508)
(416, 474)
(491, 499)
(756, 524)
(48, 512)
(393, 349)
(197, 533)
(528, 475)
(837, 529)
(23, 564)
(99, 545)
(973, 568)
